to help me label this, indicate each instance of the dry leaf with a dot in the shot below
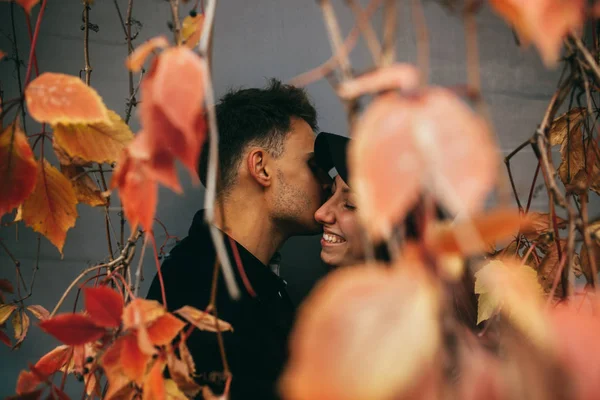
(549, 268)
(191, 30)
(5, 312)
(20, 322)
(545, 23)
(203, 320)
(73, 329)
(565, 125)
(39, 312)
(353, 330)
(105, 305)
(429, 141)
(136, 60)
(573, 170)
(17, 168)
(101, 142)
(513, 289)
(586, 266)
(86, 190)
(400, 76)
(540, 224)
(51, 208)
(186, 356)
(180, 374)
(64, 99)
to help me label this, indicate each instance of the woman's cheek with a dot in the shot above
(350, 227)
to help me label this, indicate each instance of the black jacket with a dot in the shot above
(257, 349)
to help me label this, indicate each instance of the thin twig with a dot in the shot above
(362, 21)
(86, 37)
(335, 37)
(390, 21)
(176, 23)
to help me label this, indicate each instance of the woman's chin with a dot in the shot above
(332, 260)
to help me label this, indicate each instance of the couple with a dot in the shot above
(273, 184)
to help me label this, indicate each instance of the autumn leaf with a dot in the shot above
(164, 329)
(54, 360)
(2, 54)
(86, 190)
(39, 312)
(51, 208)
(6, 286)
(5, 339)
(545, 23)
(191, 30)
(172, 391)
(565, 125)
(105, 306)
(133, 360)
(138, 190)
(101, 142)
(17, 168)
(186, 357)
(541, 225)
(64, 99)
(141, 312)
(513, 289)
(136, 60)
(180, 373)
(577, 168)
(27, 382)
(437, 144)
(73, 329)
(203, 320)
(5, 311)
(354, 328)
(27, 5)
(20, 322)
(154, 384)
(400, 76)
(549, 268)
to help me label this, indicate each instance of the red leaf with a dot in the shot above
(6, 286)
(2, 54)
(164, 329)
(64, 99)
(54, 360)
(27, 382)
(73, 329)
(17, 168)
(27, 4)
(154, 385)
(112, 356)
(105, 306)
(133, 360)
(35, 395)
(4, 338)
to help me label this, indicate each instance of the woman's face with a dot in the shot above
(341, 243)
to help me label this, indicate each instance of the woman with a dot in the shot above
(341, 244)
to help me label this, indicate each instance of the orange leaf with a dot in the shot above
(64, 99)
(355, 326)
(73, 329)
(39, 312)
(5, 311)
(101, 142)
(17, 168)
(203, 320)
(105, 306)
(27, 4)
(54, 360)
(136, 60)
(545, 23)
(438, 144)
(164, 329)
(86, 190)
(111, 359)
(138, 190)
(175, 122)
(27, 382)
(141, 312)
(154, 384)
(51, 208)
(191, 30)
(5, 339)
(2, 54)
(133, 360)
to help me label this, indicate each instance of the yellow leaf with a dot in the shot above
(51, 208)
(20, 322)
(39, 312)
(172, 391)
(86, 190)
(5, 311)
(511, 288)
(203, 320)
(100, 142)
(191, 29)
(64, 99)
(17, 168)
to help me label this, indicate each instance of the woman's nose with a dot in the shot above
(325, 215)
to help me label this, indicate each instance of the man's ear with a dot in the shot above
(258, 167)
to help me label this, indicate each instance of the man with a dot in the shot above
(268, 191)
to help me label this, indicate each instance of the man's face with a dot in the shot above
(298, 188)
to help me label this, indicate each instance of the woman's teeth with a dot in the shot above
(331, 238)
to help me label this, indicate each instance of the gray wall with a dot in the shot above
(254, 40)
